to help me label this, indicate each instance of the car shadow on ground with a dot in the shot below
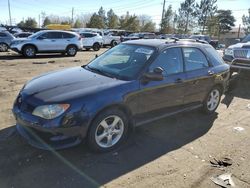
(13, 56)
(239, 87)
(24, 166)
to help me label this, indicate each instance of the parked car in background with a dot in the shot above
(48, 41)
(134, 83)
(22, 34)
(201, 37)
(109, 39)
(5, 40)
(91, 40)
(238, 55)
(136, 36)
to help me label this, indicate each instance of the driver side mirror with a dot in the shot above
(156, 75)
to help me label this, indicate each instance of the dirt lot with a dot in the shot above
(172, 152)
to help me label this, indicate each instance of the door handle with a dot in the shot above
(210, 72)
(53, 40)
(178, 80)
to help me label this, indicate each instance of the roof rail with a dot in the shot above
(195, 40)
(175, 39)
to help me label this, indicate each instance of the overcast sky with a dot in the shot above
(21, 9)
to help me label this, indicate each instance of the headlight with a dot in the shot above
(50, 111)
(229, 52)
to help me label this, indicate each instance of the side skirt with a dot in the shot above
(139, 123)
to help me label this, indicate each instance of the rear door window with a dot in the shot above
(194, 59)
(55, 35)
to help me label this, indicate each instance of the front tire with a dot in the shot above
(212, 100)
(71, 50)
(29, 51)
(3, 47)
(108, 130)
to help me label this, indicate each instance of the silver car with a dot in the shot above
(48, 41)
(5, 40)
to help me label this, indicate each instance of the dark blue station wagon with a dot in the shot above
(131, 84)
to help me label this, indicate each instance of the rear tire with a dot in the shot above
(71, 50)
(3, 47)
(108, 130)
(29, 51)
(212, 100)
(96, 47)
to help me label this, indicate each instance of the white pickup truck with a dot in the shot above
(107, 35)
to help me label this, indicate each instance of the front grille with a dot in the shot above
(240, 53)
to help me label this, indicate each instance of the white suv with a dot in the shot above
(91, 40)
(48, 41)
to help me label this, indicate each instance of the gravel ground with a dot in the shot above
(172, 152)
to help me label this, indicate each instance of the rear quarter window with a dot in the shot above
(214, 56)
(68, 35)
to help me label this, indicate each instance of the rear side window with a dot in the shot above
(194, 59)
(170, 60)
(68, 35)
(3, 35)
(214, 56)
(87, 35)
(55, 35)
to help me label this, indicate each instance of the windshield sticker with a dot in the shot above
(144, 51)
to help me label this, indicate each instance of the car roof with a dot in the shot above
(163, 43)
(58, 31)
(87, 32)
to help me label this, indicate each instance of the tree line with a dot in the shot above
(203, 15)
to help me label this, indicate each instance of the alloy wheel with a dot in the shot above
(213, 100)
(72, 51)
(3, 47)
(30, 52)
(109, 131)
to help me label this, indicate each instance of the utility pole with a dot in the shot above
(239, 32)
(163, 11)
(72, 17)
(9, 13)
(39, 23)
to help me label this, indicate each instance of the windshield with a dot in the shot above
(246, 39)
(35, 35)
(122, 62)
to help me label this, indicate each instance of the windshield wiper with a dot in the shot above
(99, 71)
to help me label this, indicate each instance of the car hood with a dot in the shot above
(21, 39)
(240, 45)
(68, 84)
